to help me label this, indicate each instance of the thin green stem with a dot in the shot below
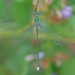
(34, 11)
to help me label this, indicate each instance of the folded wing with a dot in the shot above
(53, 36)
(18, 39)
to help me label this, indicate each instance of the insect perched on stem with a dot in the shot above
(52, 35)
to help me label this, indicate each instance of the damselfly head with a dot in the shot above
(36, 13)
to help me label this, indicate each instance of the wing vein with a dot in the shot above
(18, 39)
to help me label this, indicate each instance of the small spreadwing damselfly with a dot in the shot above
(52, 35)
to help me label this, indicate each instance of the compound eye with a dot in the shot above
(33, 13)
(39, 13)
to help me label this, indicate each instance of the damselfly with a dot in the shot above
(53, 36)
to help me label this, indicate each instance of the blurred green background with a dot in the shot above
(15, 16)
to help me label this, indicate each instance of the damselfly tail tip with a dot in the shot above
(37, 69)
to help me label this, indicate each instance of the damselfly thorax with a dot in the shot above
(36, 18)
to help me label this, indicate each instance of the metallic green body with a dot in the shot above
(37, 47)
(36, 19)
